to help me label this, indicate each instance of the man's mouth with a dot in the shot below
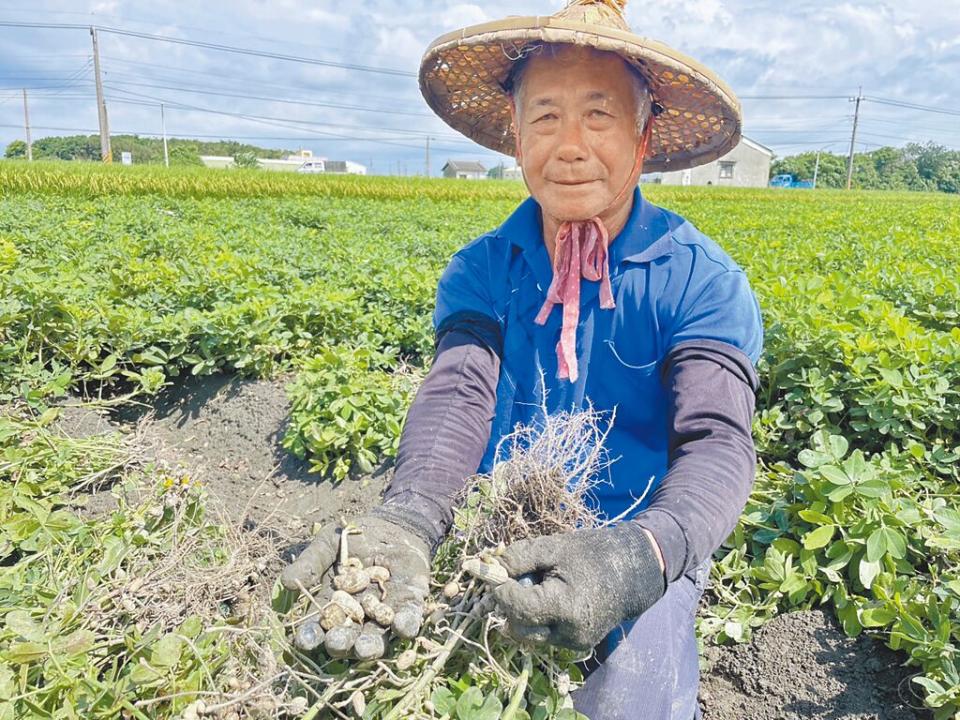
(573, 182)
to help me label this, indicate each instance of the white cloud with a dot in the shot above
(106, 7)
(463, 15)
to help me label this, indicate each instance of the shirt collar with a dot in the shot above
(645, 237)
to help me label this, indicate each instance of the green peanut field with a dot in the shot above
(115, 282)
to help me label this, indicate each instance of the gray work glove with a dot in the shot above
(387, 537)
(586, 583)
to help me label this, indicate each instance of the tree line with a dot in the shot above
(145, 151)
(929, 167)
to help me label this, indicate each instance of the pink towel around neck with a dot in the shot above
(580, 252)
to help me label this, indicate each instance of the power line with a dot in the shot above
(925, 128)
(888, 137)
(206, 31)
(246, 80)
(117, 86)
(204, 91)
(211, 46)
(276, 122)
(795, 131)
(270, 118)
(913, 106)
(221, 137)
(794, 97)
(68, 83)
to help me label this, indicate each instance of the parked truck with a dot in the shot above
(789, 181)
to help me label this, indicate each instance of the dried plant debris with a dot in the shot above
(460, 659)
(168, 610)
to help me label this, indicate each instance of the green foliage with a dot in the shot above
(126, 277)
(246, 160)
(16, 149)
(202, 286)
(184, 156)
(75, 640)
(347, 410)
(145, 151)
(94, 180)
(927, 167)
(832, 172)
(857, 424)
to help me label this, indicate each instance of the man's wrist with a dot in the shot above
(412, 520)
(656, 549)
(644, 574)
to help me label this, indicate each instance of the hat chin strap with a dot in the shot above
(637, 167)
(580, 251)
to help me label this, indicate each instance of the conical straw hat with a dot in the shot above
(463, 73)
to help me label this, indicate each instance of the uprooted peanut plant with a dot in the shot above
(461, 665)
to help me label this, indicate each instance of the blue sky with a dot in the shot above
(901, 52)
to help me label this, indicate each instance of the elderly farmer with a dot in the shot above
(587, 293)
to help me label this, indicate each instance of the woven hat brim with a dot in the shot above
(462, 75)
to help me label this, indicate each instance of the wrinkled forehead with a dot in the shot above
(597, 71)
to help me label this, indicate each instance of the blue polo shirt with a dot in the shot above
(671, 284)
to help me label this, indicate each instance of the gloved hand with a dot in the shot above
(376, 538)
(586, 583)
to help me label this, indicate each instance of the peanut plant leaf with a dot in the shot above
(818, 538)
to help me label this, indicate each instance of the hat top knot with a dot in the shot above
(618, 6)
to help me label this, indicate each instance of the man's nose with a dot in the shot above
(571, 143)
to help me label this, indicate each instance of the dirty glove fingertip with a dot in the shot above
(525, 556)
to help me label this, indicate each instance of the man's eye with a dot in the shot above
(599, 113)
(548, 116)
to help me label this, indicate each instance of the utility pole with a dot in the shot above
(105, 154)
(428, 157)
(163, 129)
(26, 126)
(853, 138)
(816, 168)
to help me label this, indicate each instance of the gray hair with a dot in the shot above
(513, 85)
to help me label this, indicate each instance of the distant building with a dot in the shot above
(302, 161)
(747, 165)
(502, 172)
(464, 170)
(347, 167)
(218, 162)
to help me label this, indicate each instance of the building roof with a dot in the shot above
(464, 166)
(757, 146)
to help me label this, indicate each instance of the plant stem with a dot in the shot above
(456, 636)
(521, 687)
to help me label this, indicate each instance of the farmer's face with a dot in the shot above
(577, 121)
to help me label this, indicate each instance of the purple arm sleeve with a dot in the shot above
(712, 388)
(445, 435)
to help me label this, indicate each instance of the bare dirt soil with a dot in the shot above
(802, 666)
(227, 432)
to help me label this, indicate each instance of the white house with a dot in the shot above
(747, 165)
(302, 161)
(464, 170)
